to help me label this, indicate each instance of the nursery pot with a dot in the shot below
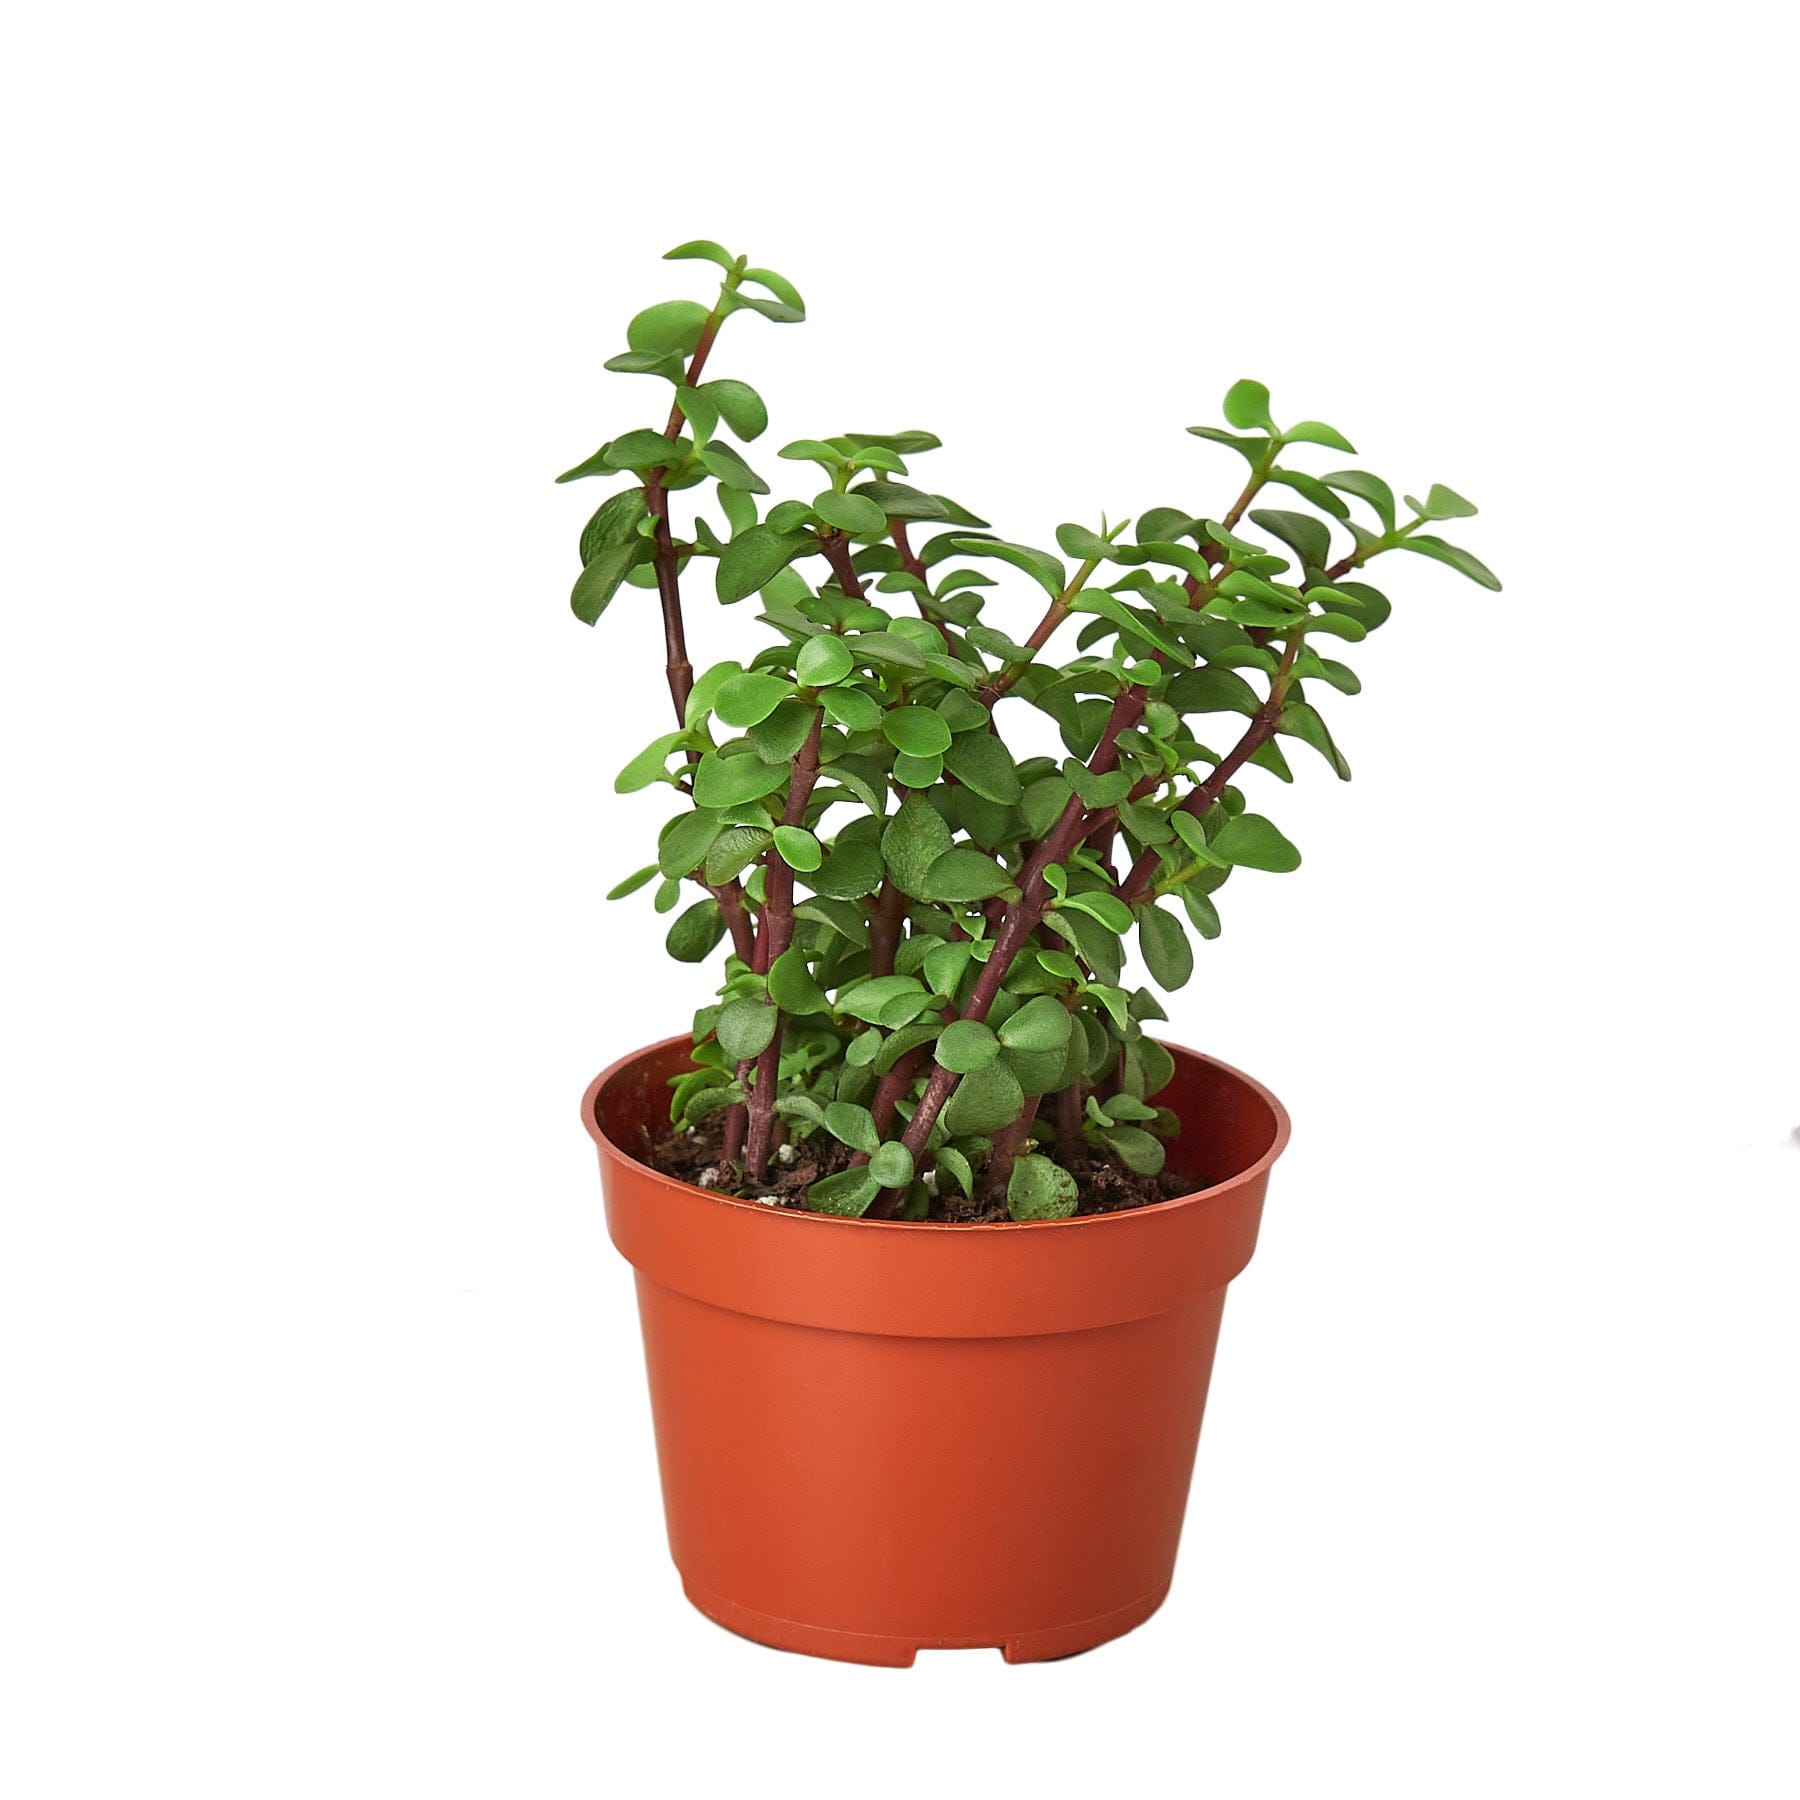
(877, 1438)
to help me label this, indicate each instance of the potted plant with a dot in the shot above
(931, 1234)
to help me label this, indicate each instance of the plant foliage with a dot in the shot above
(926, 936)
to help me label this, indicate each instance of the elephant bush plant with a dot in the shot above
(926, 935)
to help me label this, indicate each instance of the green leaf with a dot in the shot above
(963, 874)
(1046, 570)
(1042, 1023)
(916, 730)
(850, 707)
(952, 1162)
(1081, 543)
(823, 661)
(1136, 1149)
(740, 406)
(886, 649)
(984, 1102)
(1140, 625)
(611, 548)
(1201, 911)
(800, 1106)
(967, 1045)
(648, 766)
(746, 1028)
(868, 999)
(733, 850)
(646, 362)
(898, 501)
(738, 507)
(1246, 407)
(778, 737)
(852, 1125)
(749, 698)
(696, 932)
(684, 843)
(779, 311)
(902, 443)
(1313, 431)
(981, 763)
(778, 285)
(730, 470)
(813, 450)
(1443, 503)
(1250, 841)
(1099, 948)
(722, 781)
(1043, 802)
(1458, 559)
(799, 848)
(1309, 487)
(670, 329)
(1109, 909)
(1041, 1189)
(613, 524)
(755, 557)
(1213, 689)
(1307, 537)
(633, 882)
(849, 872)
(918, 772)
(704, 1102)
(1166, 951)
(791, 984)
(698, 410)
(1370, 489)
(1251, 449)
(848, 1193)
(700, 250)
(892, 1165)
(850, 512)
(906, 1039)
(945, 964)
(915, 838)
(1096, 790)
(1303, 722)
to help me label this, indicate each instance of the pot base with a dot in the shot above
(898, 1652)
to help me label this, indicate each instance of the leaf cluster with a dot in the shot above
(936, 943)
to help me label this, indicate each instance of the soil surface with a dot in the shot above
(1104, 1184)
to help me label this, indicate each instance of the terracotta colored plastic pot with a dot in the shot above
(881, 1438)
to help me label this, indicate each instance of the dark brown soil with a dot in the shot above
(1104, 1184)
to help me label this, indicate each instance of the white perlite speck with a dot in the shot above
(707, 1178)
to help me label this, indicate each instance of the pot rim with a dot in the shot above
(813, 1220)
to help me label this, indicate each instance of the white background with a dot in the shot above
(328, 1467)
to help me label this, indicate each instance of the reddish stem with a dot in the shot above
(1068, 1124)
(776, 935)
(1262, 727)
(885, 920)
(1023, 919)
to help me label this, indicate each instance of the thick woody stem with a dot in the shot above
(885, 919)
(772, 941)
(1068, 1124)
(679, 670)
(1007, 1142)
(837, 552)
(737, 920)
